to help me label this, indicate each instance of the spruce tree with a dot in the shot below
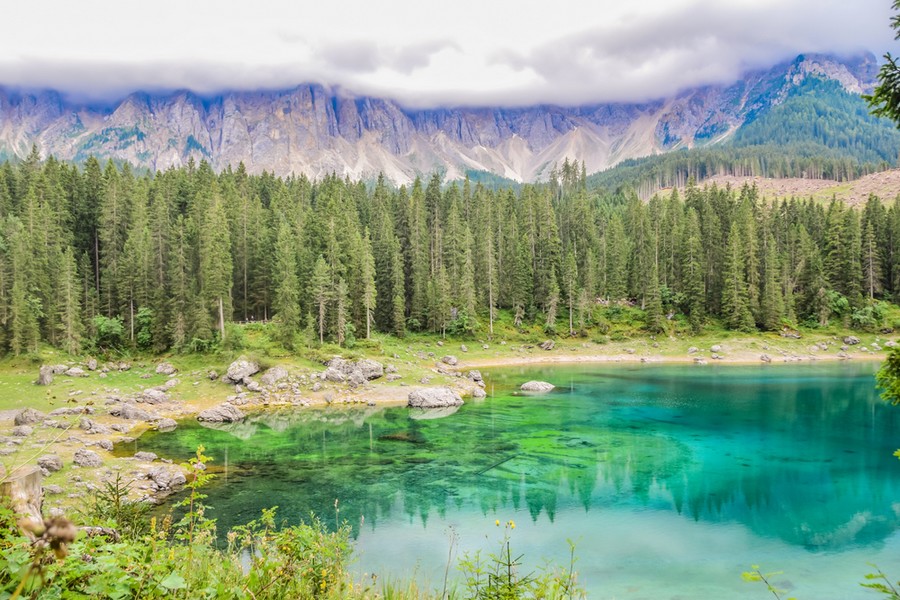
(286, 301)
(735, 303)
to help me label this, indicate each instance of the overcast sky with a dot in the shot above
(421, 52)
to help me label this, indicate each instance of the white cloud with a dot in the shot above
(424, 52)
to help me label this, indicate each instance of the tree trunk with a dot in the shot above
(221, 318)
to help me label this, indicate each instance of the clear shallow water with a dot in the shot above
(671, 480)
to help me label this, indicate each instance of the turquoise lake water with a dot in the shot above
(670, 480)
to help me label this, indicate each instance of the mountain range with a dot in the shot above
(313, 130)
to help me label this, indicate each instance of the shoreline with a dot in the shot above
(420, 365)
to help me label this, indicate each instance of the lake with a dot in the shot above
(671, 480)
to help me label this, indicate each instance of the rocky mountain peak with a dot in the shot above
(313, 130)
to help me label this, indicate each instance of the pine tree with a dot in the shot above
(215, 265)
(69, 306)
(735, 304)
(320, 289)
(693, 272)
(286, 301)
(771, 299)
(570, 285)
(369, 293)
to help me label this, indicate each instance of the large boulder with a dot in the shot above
(87, 458)
(130, 412)
(340, 370)
(45, 375)
(223, 413)
(76, 372)
(166, 424)
(536, 386)
(166, 478)
(240, 371)
(449, 360)
(851, 340)
(273, 376)
(145, 456)
(28, 416)
(433, 398)
(371, 369)
(547, 345)
(50, 463)
(153, 396)
(165, 368)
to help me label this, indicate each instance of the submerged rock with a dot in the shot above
(536, 386)
(433, 398)
(424, 414)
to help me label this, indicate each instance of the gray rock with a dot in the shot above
(765, 358)
(253, 386)
(52, 490)
(72, 410)
(166, 424)
(59, 369)
(851, 340)
(433, 398)
(153, 396)
(165, 368)
(715, 348)
(87, 458)
(693, 350)
(51, 462)
(92, 364)
(478, 393)
(212, 375)
(76, 372)
(536, 386)
(92, 427)
(105, 444)
(130, 412)
(22, 430)
(474, 375)
(240, 371)
(223, 413)
(449, 360)
(45, 375)
(463, 348)
(168, 384)
(890, 344)
(28, 416)
(547, 345)
(699, 361)
(394, 377)
(371, 369)
(145, 456)
(356, 378)
(334, 375)
(273, 376)
(166, 478)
